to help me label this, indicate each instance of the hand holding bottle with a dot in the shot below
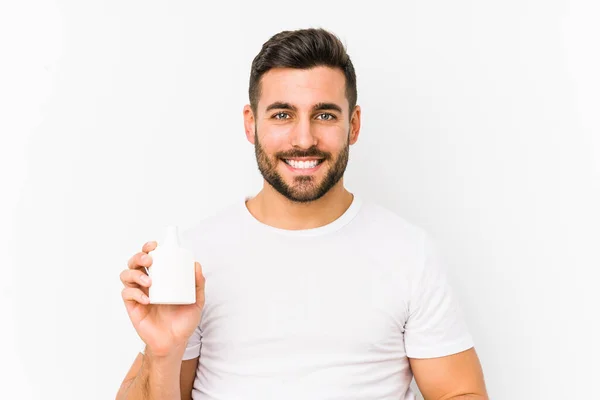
(165, 328)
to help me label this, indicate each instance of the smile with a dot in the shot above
(304, 165)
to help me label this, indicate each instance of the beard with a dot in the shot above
(304, 188)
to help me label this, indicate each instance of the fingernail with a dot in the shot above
(144, 258)
(145, 298)
(145, 279)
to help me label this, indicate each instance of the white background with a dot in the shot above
(480, 124)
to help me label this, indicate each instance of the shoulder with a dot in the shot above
(382, 222)
(215, 225)
(389, 239)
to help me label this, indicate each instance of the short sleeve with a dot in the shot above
(193, 347)
(435, 326)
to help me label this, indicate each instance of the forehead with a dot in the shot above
(303, 87)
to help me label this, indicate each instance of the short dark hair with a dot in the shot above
(302, 49)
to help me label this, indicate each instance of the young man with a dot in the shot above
(310, 293)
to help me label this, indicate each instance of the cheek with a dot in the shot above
(275, 139)
(274, 129)
(333, 137)
(333, 144)
(271, 144)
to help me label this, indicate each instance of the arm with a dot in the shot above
(458, 376)
(159, 378)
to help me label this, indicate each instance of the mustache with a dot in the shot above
(312, 152)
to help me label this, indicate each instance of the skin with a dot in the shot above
(284, 132)
(159, 373)
(290, 122)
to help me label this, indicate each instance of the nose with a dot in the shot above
(302, 135)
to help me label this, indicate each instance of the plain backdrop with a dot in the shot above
(480, 124)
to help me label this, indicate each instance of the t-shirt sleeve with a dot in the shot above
(192, 350)
(435, 326)
(194, 345)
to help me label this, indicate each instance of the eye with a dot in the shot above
(326, 117)
(280, 115)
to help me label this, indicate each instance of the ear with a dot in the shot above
(354, 125)
(249, 123)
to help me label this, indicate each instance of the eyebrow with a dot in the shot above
(279, 105)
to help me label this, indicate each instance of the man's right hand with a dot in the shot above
(164, 328)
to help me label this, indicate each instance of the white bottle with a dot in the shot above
(172, 272)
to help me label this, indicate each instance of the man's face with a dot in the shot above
(302, 131)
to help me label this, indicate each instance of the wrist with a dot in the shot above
(165, 355)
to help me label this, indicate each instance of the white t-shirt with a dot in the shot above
(327, 313)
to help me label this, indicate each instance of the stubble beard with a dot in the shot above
(304, 189)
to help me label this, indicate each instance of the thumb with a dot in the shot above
(199, 285)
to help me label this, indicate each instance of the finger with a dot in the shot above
(149, 246)
(140, 260)
(135, 278)
(133, 295)
(200, 283)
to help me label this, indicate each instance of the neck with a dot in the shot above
(271, 208)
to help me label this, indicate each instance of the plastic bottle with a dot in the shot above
(172, 272)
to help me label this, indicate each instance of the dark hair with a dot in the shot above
(303, 49)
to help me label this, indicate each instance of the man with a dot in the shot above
(311, 292)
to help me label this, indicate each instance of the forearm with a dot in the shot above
(158, 379)
(468, 397)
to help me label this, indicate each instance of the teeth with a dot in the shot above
(303, 164)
